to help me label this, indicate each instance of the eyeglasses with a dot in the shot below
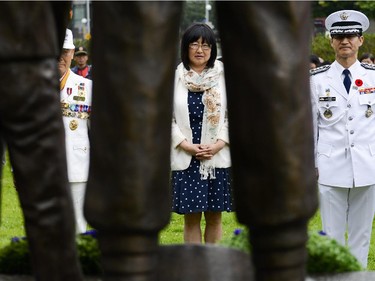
(195, 46)
(341, 37)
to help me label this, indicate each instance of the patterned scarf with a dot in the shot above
(206, 82)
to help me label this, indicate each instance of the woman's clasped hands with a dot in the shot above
(202, 151)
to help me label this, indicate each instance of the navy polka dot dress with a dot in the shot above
(191, 194)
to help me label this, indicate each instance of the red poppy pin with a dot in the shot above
(358, 82)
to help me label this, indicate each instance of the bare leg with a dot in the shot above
(213, 231)
(192, 228)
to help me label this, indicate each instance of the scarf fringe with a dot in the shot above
(207, 172)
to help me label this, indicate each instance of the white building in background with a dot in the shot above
(81, 23)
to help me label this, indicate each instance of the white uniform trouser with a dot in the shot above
(352, 210)
(78, 195)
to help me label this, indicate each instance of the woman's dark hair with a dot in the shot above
(367, 56)
(315, 60)
(192, 34)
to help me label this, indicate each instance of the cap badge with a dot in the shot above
(344, 16)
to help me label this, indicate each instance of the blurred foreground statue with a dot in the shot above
(31, 127)
(271, 130)
(128, 194)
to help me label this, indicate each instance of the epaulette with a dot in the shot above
(368, 66)
(319, 69)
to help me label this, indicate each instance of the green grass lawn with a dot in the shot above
(173, 233)
(12, 221)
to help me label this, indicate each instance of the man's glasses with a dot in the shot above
(341, 37)
(195, 46)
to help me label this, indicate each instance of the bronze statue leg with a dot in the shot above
(265, 51)
(127, 199)
(31, 125)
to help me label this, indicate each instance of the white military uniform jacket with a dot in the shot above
(344, 133)
(76, 108)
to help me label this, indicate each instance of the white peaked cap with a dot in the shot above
(347, 22)
(68, 41)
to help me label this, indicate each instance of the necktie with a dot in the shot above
(347, 81)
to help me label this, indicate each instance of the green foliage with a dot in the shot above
(194, 11)
(368, 45)
(325, 255)
(322, 9)
(15, 257)
(321, 47)
(89, 254)
(12, 221)
(239, 241)
(366, 7)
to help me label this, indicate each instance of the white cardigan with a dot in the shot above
(180, 159)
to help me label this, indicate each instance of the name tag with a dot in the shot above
(79, 98)
(327, 98)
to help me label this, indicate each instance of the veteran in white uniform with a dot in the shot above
(75, 97)
(343, 100)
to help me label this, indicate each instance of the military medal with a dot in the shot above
(327, 113)
(81, 93)
(64, 105)
(73, 125)
(327, 98)
(369, 111)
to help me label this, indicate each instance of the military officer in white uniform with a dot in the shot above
(75, 97)
(343, 100)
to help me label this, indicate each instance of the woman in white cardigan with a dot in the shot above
(200, 157)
